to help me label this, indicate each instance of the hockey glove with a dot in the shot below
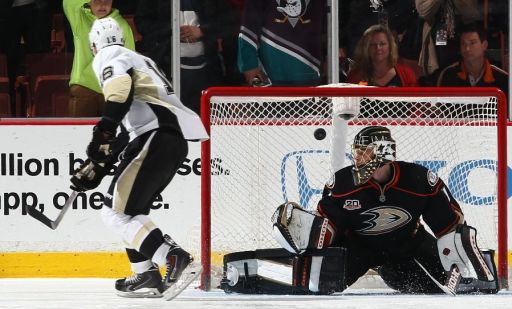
(89, 175)
(100, 148)
(460, 248)
(297, 230)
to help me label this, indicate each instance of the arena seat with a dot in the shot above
(5, 105)
(5, 98)
(58, 42)
(48, 78)
(4, 80)
(51, 96)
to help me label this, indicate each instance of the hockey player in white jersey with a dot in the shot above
(141, 104)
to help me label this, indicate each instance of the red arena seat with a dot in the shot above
(48, 78)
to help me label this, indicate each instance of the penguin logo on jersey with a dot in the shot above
(432, 178)
(384, 219)
(293, 11)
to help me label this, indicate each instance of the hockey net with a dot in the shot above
(263, 151)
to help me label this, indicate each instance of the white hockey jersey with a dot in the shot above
(112, 64)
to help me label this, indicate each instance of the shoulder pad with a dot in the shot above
(432, 178)
(341, 181)
(331, 181)
(416, 177)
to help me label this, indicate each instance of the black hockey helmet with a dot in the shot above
(373, 147)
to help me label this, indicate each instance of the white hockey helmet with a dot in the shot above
(105, 32)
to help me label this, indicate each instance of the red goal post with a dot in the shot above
(262, 151)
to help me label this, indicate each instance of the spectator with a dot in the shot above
(442, 18)
(27, 21)
(474, 70)
(376, 57)
(356, 16)
(86, 99)
(203, 23)
(232, 76)
(281, 42)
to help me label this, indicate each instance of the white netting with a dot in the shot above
(264, 152)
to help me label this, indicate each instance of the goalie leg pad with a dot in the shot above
(297, 230)
(460, 248)
(473, 285)
(277, 271)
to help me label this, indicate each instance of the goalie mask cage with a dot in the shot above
(266, 148)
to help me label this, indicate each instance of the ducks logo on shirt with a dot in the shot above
(293, 11)
(383, 220)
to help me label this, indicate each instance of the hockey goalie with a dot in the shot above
(372, 215)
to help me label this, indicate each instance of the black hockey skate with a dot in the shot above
(181, 270)
(145, 285)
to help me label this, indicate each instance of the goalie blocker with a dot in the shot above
(277, 271)
(468, 268)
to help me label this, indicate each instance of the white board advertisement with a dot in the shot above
(36, 162)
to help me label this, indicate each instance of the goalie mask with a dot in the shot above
(105, 32)
(372, 148)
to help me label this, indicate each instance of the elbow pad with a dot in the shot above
(118, 89)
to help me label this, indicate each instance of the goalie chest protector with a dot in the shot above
(277, 271)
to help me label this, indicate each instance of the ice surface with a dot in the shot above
(99, 293)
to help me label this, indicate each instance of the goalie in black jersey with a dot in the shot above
(377, 209)
(141, 102)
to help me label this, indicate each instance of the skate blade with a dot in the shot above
(189, 274)
(145, 293)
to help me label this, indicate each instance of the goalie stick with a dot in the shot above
(53, 224)
(450, 289)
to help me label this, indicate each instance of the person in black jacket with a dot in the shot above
(474, 69)
(23, 21)
(203, 25)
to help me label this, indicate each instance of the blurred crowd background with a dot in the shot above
(392, 43)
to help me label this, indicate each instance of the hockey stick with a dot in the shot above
(53, 224)
(446, 289)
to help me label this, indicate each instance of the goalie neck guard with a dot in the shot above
(372, 148)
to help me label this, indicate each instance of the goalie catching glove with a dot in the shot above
(297, 230)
